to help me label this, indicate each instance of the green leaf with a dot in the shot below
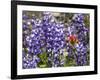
(44, 60)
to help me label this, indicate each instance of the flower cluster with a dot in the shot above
(54, 37)
(32, 40)
(43, 35)
(48, 38)
(78, 35)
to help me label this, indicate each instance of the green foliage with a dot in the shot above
(69, 62)
(87, 21)
(44, 60)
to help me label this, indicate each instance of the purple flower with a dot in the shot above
(79, 50)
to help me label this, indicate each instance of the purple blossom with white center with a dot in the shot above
(78, 50)
(32, 41)
(54, 37)
(81, 54)
(30, 61)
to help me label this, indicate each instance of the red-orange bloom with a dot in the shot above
(73, 39)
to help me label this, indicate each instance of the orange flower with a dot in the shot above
(73, 39)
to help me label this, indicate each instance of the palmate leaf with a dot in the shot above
(44, 60)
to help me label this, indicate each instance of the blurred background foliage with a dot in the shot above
(63, 17)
